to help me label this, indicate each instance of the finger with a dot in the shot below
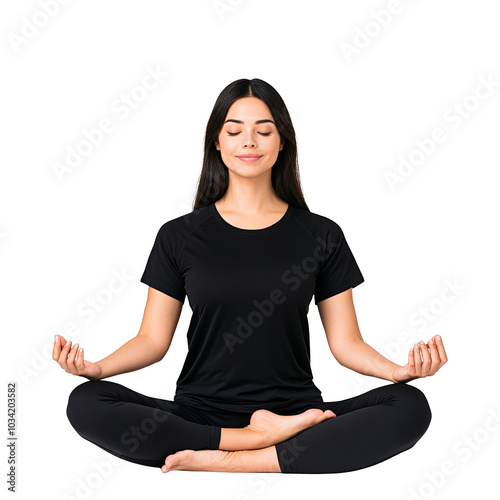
(435, 359)
(71, 359)
(442, 352)
(62, 340)
(417, 359)
(80, 365)
(59, 342)
(426, 363)
(411, 363)
(63, 356)
(57, 348)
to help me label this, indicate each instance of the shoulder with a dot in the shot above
(179, 228)
(317, 224)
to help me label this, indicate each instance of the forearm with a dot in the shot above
(135, 354)
(359, 356)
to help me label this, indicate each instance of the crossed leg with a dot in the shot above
(361, 431)
(145, 430)
(368, 429)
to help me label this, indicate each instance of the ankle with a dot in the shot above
(246, 438)
(256, 438)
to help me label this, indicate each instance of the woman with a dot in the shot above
(250, 257)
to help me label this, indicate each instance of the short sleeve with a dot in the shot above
(162, 271)
(339, 271)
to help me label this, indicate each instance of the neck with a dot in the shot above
(249, 196)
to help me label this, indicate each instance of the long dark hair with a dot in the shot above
(214, 177)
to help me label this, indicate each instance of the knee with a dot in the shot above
(417, 410)
(80, 402)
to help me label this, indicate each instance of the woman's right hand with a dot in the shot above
(74, 362)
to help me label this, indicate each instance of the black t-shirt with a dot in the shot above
(249, 291)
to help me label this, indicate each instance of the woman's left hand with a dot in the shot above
(418, 368)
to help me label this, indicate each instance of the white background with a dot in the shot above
(355, 117)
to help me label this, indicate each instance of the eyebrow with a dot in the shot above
(257, 122)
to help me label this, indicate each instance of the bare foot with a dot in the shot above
(273, 428)
(264, 460)
(207, 460)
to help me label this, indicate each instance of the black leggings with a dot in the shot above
(367, 429)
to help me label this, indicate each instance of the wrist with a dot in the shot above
(100, 370)
(392, 378)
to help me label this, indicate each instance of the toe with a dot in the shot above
(170, 462)
(315, 411)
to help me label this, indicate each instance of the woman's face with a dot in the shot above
(250, 138)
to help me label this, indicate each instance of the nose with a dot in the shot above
(249, 139)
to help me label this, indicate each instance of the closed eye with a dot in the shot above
(236, 133)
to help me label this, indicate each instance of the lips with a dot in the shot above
(249, 156)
